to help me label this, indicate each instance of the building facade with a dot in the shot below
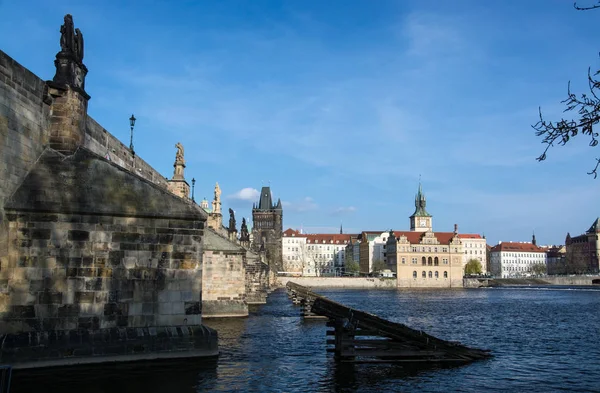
(583, 251)
(267, 229)
(513, 260)
(422, 258)
(314, 254)
(475, 247)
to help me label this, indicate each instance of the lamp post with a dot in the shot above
(193, 184)
(131, 124)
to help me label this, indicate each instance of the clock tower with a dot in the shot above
(420, 221)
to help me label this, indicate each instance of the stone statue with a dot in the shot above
(70, 69)
(217, 201)
(244, 235)
(78, 45)
(179, 156)
(67, 38)
(232, 221)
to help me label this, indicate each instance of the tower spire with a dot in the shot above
(341, 230)
(533, 241)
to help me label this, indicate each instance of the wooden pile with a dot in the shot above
(363, 337)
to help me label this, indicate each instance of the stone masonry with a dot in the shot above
(98, 260)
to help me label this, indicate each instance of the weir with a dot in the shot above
(360, 337)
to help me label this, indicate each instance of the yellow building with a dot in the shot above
(422, 258)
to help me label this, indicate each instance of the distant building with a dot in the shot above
(474, 247)
(421, 257)
(512, 259)
(267, 229)
(314, 254)
(583, 251)
(556, 259)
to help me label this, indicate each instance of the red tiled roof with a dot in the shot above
(469, 236)
(328, 238)
(517, 247)
(291, 232)
(415, 237)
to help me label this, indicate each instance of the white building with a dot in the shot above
(511, 259)
(475, 247)
(314, 254)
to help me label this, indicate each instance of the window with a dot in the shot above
(429, 261)
(436, 275)
(414, 261)
(424, 274)
(415, 274)
(436, 262)
(445, 274)
(430, 274)
(403, 260)
(424, 260)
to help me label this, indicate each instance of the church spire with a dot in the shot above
(533, 241)
(341, 230)
(420, 203)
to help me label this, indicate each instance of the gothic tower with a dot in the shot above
(267, 228)
(420, 221)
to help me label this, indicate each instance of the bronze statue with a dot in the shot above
(232, 221)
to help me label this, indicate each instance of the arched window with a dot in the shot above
(437, 275)
(424, 275)
(424, 261)
(445, 274)
(430, 274)
(415, 274)
(429, 261)
(436, 261)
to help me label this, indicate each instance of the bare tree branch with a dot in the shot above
(586, 8)
(587, 107)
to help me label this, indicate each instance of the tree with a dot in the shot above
(473, 267)
(352, 267)
(538, 269)
(378, 265)
(587, 109)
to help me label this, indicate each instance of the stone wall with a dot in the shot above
(257, 279)
(341, 282)
(223, 277)
(95, 251)
(23, 136)
(223, 292)
(103, 143)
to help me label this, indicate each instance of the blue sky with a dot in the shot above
(341, 105)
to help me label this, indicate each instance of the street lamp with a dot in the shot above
(131, 124)
(193, 184)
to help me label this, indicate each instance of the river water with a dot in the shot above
(542, 339)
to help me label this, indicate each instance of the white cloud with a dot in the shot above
(305, 204)
(344, 210)
(245, 194)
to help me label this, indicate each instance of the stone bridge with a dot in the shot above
(101, 257)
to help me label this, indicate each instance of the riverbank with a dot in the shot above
(341, 282)
(390, 283)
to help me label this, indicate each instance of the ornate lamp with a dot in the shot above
(131, 124)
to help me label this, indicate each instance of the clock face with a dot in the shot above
(423, 223)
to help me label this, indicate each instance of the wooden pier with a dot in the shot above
(360, 337)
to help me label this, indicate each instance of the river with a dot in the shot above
(543, 340)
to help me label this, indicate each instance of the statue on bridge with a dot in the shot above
(179, 156)
(244, 235)
(71, 39)
(231, 221)
(217, 201)
(69, 61)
